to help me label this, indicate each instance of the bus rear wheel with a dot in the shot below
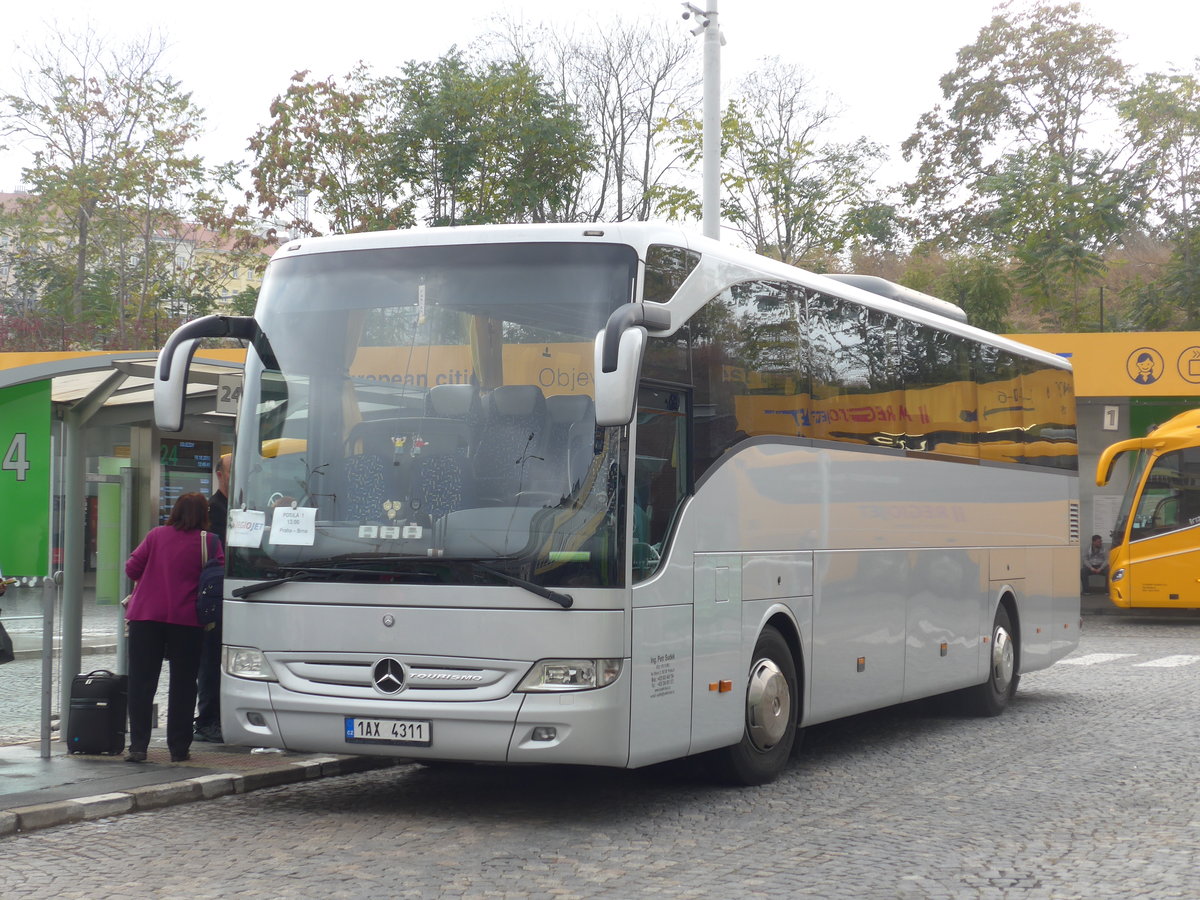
(992, 697)
(772, 707)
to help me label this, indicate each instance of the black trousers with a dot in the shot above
(208, 712)
(149, 644)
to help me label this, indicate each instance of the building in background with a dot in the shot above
(1126, 382)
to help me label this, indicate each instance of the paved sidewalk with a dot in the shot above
(41, 793)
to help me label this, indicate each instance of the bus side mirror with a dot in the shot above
(616, 391)
(175, 359)
(618, 356)
(170, 382)
(1110, 454)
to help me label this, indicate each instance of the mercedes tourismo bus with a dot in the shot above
(615, 494)
(1155, 555)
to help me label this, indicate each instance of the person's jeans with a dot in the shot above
(149, 644)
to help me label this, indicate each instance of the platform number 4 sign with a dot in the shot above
(25, 478)
(16, 458)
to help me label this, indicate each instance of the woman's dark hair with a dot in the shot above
(190, 512)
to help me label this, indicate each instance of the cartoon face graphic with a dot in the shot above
(1144, 365)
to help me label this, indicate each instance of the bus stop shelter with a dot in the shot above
(82, 476)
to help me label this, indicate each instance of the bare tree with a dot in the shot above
(627, 79)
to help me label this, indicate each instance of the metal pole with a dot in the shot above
(711, 200)
(74, 500)
(49, 601)
(126, 549)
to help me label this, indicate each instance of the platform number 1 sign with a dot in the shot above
(25, 479)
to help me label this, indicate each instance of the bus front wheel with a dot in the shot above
(992, 697)
(772, 705)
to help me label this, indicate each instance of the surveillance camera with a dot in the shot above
(686, 16)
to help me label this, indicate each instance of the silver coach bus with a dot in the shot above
(617, 494)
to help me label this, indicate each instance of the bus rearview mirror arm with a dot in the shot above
(618, 357)
(175, 359)
(1108, 457)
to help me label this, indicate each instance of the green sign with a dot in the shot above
(25, 479)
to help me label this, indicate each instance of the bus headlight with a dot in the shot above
(570, 674)
(246, 662)
(1117, 575)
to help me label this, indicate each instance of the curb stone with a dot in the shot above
(156, 796)
(87, 650)
(173, 793)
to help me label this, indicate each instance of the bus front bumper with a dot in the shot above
(577, 727)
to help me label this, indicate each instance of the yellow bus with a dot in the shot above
(1155, 557)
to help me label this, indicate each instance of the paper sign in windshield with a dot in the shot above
(294, 526)
(246, 527)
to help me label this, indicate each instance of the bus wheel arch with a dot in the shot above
(772, 710)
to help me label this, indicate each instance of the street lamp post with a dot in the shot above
(706, 24)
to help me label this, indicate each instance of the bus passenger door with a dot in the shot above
(661, 692)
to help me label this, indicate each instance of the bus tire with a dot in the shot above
(992, 696)
(771, 716)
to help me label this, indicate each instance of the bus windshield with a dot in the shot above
(425, 406)
(1131, 492)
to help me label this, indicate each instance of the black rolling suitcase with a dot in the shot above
(97, 718)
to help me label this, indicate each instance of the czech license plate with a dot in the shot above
(389, 731)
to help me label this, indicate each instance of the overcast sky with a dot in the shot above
(880, 60)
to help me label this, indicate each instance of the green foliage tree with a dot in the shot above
(488, 142)
(109, 134)
(1004, 163)
(785, 192)
(449, 142)
(1163, 114)
(329, 139)
(981, 287)
(1058, 224)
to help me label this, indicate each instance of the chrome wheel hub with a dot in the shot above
(768, 705)
(1003, 660)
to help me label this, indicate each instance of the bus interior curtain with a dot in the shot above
(487, 351)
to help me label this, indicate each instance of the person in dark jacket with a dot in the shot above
(208, 684)
(162, 622)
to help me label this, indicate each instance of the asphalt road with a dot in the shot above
(1085, 788)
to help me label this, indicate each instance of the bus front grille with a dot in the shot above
(353, 675)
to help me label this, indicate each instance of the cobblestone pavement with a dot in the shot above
(1085, 788)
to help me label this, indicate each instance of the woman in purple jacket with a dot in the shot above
(163, 624)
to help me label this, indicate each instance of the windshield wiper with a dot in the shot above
(301, 572)
(566, 601)
(248, 589)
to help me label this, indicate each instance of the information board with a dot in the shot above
(185, 466)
